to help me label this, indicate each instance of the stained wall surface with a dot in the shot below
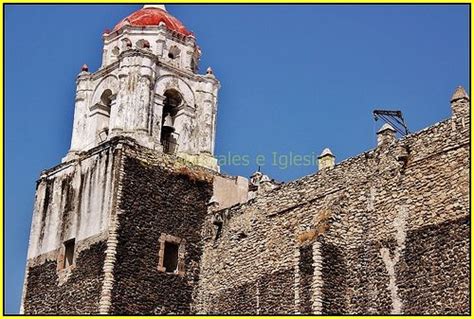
(73, 202)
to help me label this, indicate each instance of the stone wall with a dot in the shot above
(47, 293)
(157, 200)
(436, 271)
(385, 232)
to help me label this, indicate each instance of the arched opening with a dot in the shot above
(116, 51)
(173, 100)
(195, 61)
(194, 65)
(126, 44)
(104, 106)
(105, 98)
(174, 52)
(143, 44)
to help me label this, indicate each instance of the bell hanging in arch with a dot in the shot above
(168, 124)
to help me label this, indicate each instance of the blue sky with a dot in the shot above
(294, 79)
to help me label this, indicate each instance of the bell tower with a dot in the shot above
(148, 88)
(117, 226)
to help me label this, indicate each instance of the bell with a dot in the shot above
(168, 123)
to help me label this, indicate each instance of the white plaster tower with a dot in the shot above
(148, 89)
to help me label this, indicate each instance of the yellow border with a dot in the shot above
(210, 2)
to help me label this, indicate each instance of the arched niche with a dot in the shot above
(106, 88)
(142, 44)
(126, 44)
(171, 82)
(100, 108)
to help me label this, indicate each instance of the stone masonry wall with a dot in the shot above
(390, 232)
(46, 293)
(157, 198)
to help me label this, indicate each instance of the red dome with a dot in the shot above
(151, 16)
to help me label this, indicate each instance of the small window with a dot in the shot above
(171, 255)
(170, 261)
(126, 44)
(143, 44)
(102, 136)
(173, 52)
(69, 247)
(116, 51)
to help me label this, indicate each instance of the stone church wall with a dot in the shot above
(116, 201)
(80, 294)
(157, 199)
(384, 232)
(379, 233)
(123, 227)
